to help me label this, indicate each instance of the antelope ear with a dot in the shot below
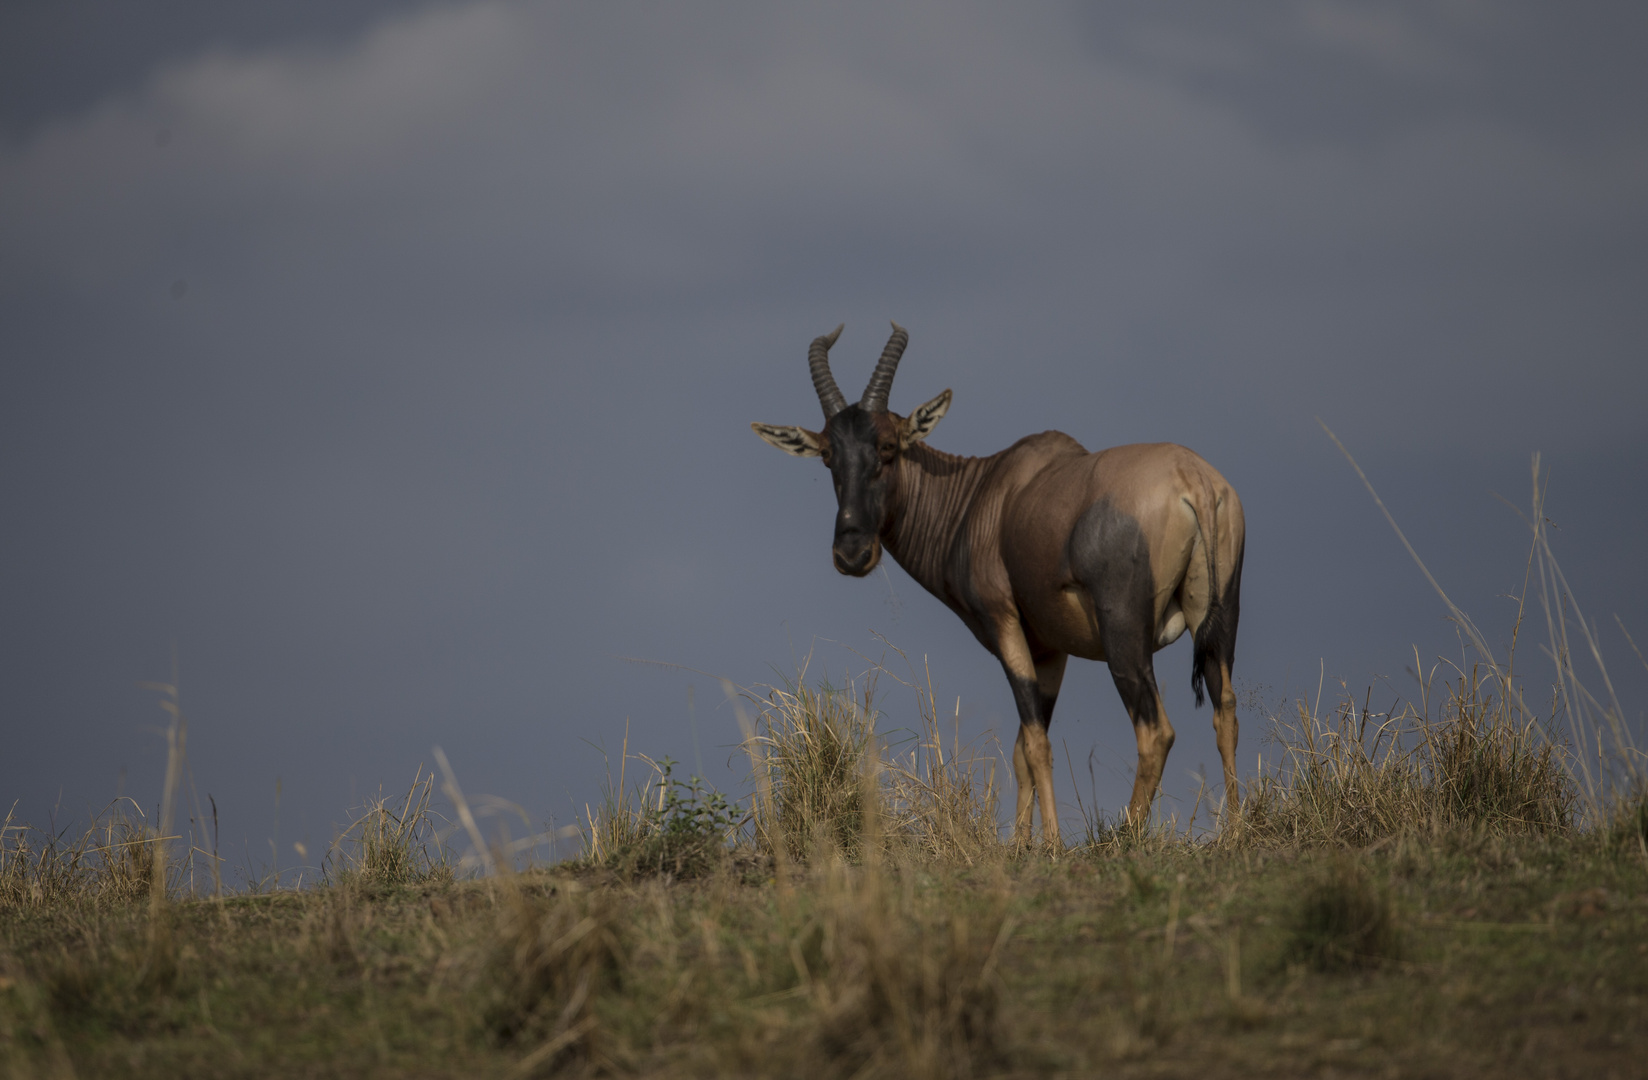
(920, 424)
(792, 440)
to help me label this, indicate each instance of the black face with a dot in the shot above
(860, 449)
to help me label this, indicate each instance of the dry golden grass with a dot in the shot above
(394, 841)
(1248, 956)
(109, 864)
(822, 767)
(1354, 777)
(812, 746)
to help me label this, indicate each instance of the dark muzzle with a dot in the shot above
(856, 553)
(856, 549)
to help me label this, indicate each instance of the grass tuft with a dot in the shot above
(1356, 777)
(828, 778)
(550, 954)
(815, 743)
(111, 863)
(942, 801)
(903, 988)
(1627, 829)
(393, 842)
(1344, 921)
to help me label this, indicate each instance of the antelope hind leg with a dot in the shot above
(1025, 793)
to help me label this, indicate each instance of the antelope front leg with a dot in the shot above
(1039, 750)
(1020, 667)
(1035, 682)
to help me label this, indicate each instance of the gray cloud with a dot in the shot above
(477, 299)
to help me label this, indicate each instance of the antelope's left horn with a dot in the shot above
(881, 380)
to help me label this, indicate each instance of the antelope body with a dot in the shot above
(1045, 551)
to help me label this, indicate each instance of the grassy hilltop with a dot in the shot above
(1404, 896)
(1458, 889)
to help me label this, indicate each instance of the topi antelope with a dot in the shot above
(1044, 550)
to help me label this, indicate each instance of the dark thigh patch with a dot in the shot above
(1109, 556)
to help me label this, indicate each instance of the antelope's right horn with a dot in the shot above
(818, 362)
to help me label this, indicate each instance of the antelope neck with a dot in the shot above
(932, 494)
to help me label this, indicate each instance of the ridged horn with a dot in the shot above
(818, 362)
(881, 380)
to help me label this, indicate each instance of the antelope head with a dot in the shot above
(860, 445)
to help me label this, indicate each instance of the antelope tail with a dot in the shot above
(1215, 637)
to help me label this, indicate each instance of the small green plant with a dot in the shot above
(679, 828)
(687, 831)
(1627, 831)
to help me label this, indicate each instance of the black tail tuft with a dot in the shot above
(1208, 636)
(1215, 641)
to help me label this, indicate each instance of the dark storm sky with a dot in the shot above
(395, 361)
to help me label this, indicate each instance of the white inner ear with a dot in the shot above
(791, 439)
(921, 423)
